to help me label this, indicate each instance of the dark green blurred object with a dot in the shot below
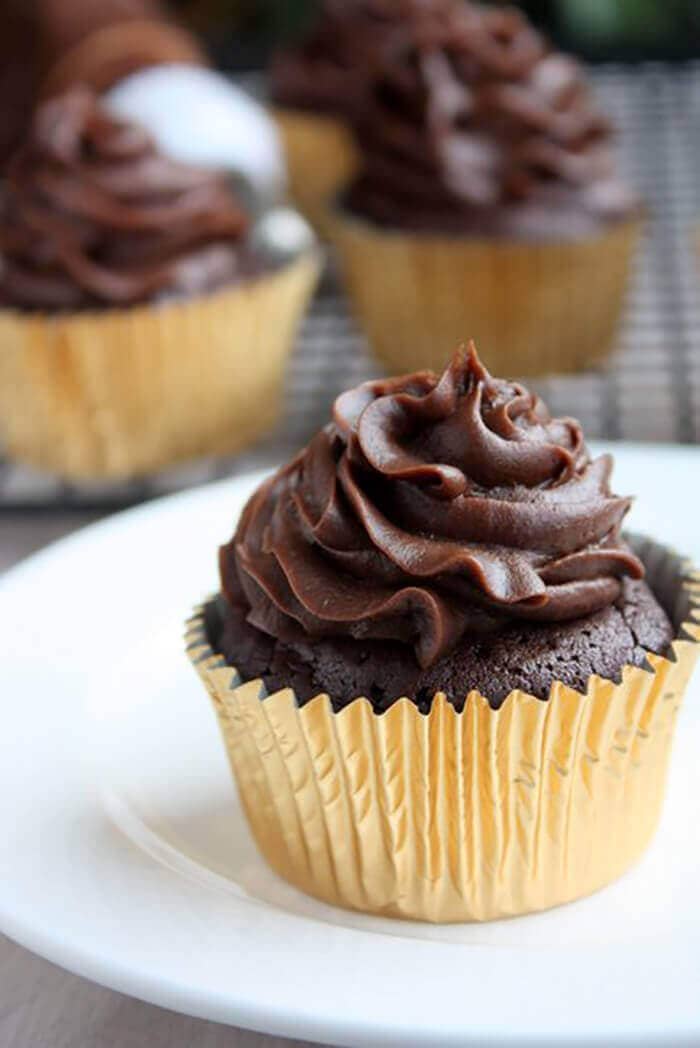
(632, 28)
(626, 20)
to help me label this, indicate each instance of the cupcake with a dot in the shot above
(446, 683)
(102, 42)
(50, 45)
(488, 192)
(140, 324)
(318, 89)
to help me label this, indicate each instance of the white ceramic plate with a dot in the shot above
(124, 856)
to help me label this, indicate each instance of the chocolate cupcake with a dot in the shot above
(99, 43)
(319, 88)
(487, 199)
(445, 684)
(48, 46)
(140, 324)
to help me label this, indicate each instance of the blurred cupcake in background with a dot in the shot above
(319, 89)
(142, 319)
(147, 67)
(100, 43)
(487, 201)
(49, 45)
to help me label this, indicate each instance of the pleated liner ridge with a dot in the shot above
(460, 816)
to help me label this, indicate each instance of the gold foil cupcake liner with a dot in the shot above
(123, 392)
(533, 308)
(459, 816)
(321, 157)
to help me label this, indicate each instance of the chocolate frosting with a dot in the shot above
(101, 42)
(427, 510)
(330, 70)
(92, 214)
(474, 124)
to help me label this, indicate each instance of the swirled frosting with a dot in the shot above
(93, 214)
(474, 124)
(330, 69)
(102, 42)
(428, 509)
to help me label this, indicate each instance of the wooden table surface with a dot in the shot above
(42, 1006)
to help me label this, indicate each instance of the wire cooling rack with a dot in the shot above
(649, 390)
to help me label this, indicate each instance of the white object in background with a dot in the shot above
(200, 117)
(125, 856)
(281, 234)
